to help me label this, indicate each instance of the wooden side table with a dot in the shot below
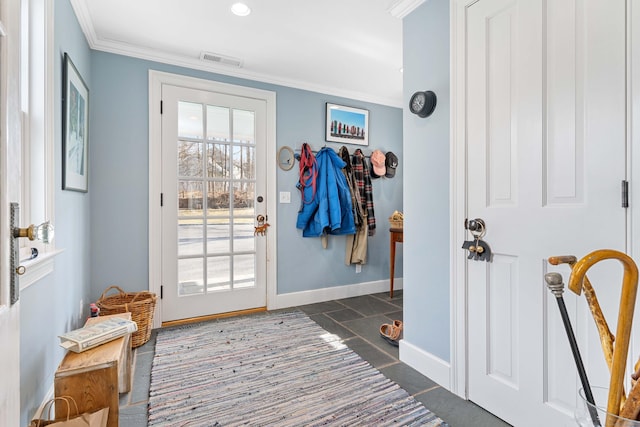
(396, 236)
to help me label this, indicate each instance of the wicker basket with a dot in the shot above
(141, 306)
(396, 224)
(396, 220)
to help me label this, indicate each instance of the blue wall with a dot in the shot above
(104, 232)
(120, 179)
(302, 263)
(51, 306)
(427, 166)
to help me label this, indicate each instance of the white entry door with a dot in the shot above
(10, 183)
(545, 85)
(214, 188)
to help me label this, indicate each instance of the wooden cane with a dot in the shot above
(625, 317)
(631, 408)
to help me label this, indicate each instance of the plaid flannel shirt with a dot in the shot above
(362, 179)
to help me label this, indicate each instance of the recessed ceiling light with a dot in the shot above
(401, 70)
(240, 9)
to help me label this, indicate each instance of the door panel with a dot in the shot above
(564, 149)
(502, 297)
(545, 154)
(213, 152)
(501, 42)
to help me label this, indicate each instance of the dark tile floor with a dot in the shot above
(357, 321)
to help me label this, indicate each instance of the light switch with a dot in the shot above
(285, 197)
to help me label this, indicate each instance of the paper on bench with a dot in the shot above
(96, 334)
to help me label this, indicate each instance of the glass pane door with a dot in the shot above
(215, 149)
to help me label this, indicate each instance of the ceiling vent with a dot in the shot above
(221, 59)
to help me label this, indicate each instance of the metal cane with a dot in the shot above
(556, 286)
(606, 337)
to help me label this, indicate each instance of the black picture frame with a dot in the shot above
(347, 125)
(75, 129)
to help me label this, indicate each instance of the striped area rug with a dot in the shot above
(277, 369)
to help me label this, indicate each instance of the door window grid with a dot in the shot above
(216, 165)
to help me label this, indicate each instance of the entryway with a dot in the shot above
(214, 189)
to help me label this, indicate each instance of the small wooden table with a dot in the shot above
(95, 377)
(396, 235)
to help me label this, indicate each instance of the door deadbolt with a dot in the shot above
(475, 226)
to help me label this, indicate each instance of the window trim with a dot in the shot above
(43, 265)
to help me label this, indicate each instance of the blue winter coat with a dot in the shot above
(330, 211)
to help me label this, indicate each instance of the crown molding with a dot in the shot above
(119, 48)
(402, 8)
(196, 64)
(84, 19)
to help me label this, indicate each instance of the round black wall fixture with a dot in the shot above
(423, 103)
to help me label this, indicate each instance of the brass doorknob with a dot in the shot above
(42, 232)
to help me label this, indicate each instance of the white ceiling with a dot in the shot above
(350, 48)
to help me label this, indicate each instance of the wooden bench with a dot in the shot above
(95, 377)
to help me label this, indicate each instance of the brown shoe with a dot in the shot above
(391, 332)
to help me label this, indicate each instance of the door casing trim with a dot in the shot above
(156, 80)
(458, 292)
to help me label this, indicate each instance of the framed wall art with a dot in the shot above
(75, 129)
(347, 125)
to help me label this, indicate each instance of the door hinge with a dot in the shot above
(160, 107)
(161, 291)
(161, 199)
(625, 193)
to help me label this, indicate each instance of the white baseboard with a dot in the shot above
(333, 293)
(426, 363)
(47, 397)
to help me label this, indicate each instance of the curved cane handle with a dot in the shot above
(625, 315)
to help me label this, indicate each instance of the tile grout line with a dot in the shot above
(363, 314)
(350, 308)
(435, 387)
(365, 339)
(388, 365)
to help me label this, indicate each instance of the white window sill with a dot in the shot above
(37, 268)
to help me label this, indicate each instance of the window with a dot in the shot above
(37, 77)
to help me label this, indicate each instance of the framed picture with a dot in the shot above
(75, 129)
(347, 125)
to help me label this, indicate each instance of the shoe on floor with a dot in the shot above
(391, 332)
